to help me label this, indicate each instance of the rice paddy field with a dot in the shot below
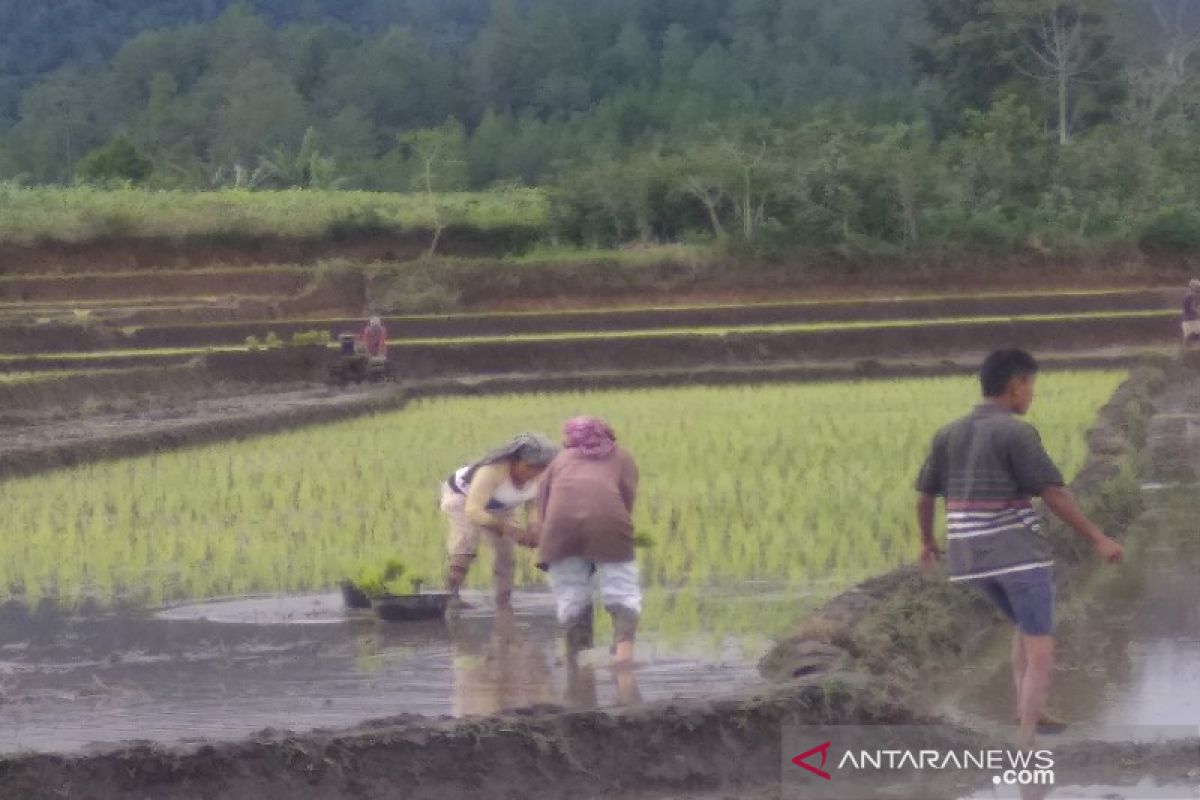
(801, 488)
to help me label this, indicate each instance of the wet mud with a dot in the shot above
(225, 670)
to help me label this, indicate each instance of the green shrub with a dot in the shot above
(117, 161)
(273, 340)
(357, 222)
(253, 343)
(1171, 230)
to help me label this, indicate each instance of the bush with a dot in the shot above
(119, 160)
(1171, 230)
(308, 338)
(357, 223)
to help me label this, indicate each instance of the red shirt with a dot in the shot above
(375, 340)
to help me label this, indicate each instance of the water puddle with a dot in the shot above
(228, 669)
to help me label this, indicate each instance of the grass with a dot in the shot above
(28, 215)
(633, 256)
(139, 303)
(214, 272)
(802, 488)
(16, 378)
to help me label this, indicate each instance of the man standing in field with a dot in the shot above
(1191, 313)
(988, 466)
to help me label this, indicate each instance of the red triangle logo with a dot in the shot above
(823, 749)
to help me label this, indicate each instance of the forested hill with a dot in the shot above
(203, 88)
(39, 37)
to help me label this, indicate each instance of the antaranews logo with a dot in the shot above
(802, 760)
(1008, 767)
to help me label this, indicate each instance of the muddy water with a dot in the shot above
(1129, 641)
(228, 669)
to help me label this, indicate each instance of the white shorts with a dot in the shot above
(571, 580)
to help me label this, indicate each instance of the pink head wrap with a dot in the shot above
(591, 436)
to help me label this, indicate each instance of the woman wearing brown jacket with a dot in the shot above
(586, 504)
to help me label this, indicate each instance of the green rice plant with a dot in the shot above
(797, 490)
(379, 580)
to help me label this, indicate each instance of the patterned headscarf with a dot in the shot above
(532, 448)
(591, 436)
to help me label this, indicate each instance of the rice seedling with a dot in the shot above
(805, 488)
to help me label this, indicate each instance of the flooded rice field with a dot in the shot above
(227, 669)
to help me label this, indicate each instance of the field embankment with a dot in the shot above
(40, 328)
(908, 622)
(731, 348)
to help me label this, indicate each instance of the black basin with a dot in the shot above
(407, 607)
(353, 598)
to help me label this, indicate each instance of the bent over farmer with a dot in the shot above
(586, 505)
(988, 465)
(482, 499)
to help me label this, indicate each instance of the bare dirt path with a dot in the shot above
(51, 444)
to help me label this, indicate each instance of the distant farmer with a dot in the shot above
(374, 339)
(585, 506)
(482, 500)
(1191, 312)
(988, 465)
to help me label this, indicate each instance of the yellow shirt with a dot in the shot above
(486, 483)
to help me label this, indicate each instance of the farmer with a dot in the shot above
(1191, 313)
(374, 338)
(987, 466)
(482, 499)
(585, 506)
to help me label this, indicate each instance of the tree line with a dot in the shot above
(768, 122)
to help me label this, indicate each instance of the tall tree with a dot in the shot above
(1063, 44)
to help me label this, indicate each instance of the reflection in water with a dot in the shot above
(497, 670)
(71, 682)
(505, 666)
